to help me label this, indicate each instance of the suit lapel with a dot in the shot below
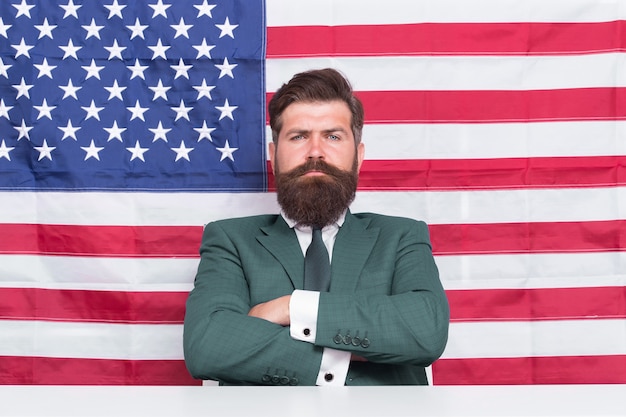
(352, 248)
(281, 241)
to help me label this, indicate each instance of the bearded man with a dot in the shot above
(316, 295)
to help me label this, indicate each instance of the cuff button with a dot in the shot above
(307, 332)
(328, 377)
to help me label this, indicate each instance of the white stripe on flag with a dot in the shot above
(448, 207)
(538, 338)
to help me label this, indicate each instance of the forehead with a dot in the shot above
(316, 115)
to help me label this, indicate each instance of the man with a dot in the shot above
(253, 316)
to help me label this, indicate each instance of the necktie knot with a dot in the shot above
(316, 264)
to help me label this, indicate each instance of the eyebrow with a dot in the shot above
(301, 131)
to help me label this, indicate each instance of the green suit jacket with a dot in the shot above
(385, 303)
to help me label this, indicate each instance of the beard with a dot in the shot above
(316, 201)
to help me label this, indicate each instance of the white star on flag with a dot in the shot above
(70, 50)
(22, 49)
(181, 29)
(227, 152)
(23, 9)
(115, 132)
(115, 51)
(226, 68)
(226, 110)
(160, 91)
(160, 9)
(92, 29)
(204, 9)
(45, 29)
(4, 109)
(70, 90)
(137, 111)
(45, 151)
(115, 91)
(137, 70)
(22, 89)
(204, 90)
(182, 151)
(45, 110)
(204, 132)
(45, 69)
(92, 151)
(137, 29)
(204, 49)
(70, 9)
(93, 70)
(4, 150)
(137, 152)
(182, 70)
(4, 28)
(3, 68)
(23, 130)
(69, 131)
(159, 50)
(92, 111)
(227, 29)
(182, 111)
(115, 9)
(159, 132)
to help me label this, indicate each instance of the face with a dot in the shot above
(319, 130)
(316, 162)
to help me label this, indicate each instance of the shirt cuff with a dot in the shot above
(303, 308)
(334, 368)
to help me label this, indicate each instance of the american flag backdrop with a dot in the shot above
(125, 126)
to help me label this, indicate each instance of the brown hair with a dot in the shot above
(316, 86)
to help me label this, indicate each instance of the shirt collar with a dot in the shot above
(291, 223)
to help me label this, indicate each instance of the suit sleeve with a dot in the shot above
(399, 313)
(221, 342)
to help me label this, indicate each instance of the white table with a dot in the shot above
(537, 400)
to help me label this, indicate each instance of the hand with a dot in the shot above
(276, 310)
(356, 358)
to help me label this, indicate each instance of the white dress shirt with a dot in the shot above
(304, 305)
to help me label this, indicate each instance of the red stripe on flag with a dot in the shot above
(169, 307)
(537, 304)
(28, 370)
(134, 241)
(533, 38)
(496, 173)
(485, 106)
(183, 241)
(89, 305)
(602, 369)
(540, 237)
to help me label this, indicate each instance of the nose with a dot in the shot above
(316, 147)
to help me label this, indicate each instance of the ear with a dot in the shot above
(272, 155)
(360, 154)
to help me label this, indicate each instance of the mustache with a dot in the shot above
(315, 165)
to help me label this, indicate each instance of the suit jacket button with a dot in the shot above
(294, 381)
(328, 377)
(275, 379)
(284, 380)
(365, 342)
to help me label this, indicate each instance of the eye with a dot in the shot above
(334, 137)
(297, 137)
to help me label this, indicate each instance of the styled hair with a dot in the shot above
(322, 85)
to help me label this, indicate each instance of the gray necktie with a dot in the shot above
(316, 264)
